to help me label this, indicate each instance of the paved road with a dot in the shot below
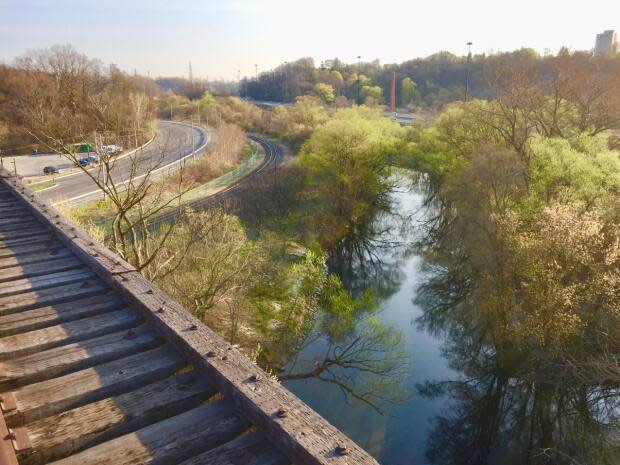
(172, 143)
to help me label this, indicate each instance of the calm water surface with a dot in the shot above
(397, 435)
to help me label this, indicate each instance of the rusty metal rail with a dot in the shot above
(99, 366)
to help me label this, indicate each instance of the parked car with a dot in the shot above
(112, 148)
(51, 170)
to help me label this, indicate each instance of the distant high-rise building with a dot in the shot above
(606, 42)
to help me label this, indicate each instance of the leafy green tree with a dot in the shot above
(582, 172)
(347, 163)
(409, 92)
(294, 124)
(325, 92)
(373, 92)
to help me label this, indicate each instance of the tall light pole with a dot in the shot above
(286, 81)
(359, 70)
(256, 71)
(469, 44)
(193, 149)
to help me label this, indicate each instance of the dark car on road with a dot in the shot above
(51, 170)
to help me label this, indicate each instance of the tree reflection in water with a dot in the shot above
(357, 352)
(520, 400)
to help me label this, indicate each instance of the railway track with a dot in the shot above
(273, 156)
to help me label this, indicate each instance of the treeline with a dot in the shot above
(432, 81)
(195, 88)
(58, 94)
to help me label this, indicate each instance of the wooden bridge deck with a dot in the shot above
(99, 366)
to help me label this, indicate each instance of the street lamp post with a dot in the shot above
(469, 44)
(359, 70)
(193, 149)
(286, 81)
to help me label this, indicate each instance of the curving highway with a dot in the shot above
(172, 144)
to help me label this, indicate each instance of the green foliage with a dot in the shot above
(583, 172)
(409, 92)
(296, 123)
(207, 99)
(347, 163)
(325, 92)
(289, 299)
(373, 92)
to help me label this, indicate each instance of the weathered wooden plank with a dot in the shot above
(60, 435)
(50, 296)
(302, 434)
(18, 241)
(9, 200)
(5, 228)
(12, 211)
(46, 255)
(39, 318)
(16, 220)
(39, 269)
(66, 333)
(53, 396)
(61, 278)
(24, 233)
(249, 449)
(168, 441)
(72, 357)
(28, 249)
(7, 451)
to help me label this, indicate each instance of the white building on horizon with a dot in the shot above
(606, 42)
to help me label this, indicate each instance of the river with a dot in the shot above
(397, 435)
(450, 394)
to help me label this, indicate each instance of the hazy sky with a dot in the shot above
(221, 37)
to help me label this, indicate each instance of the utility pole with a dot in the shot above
(469, 44)
(239, 81)
(256, 71)
(193, 150)
(286, 81)
(359, 70)
(393, 93)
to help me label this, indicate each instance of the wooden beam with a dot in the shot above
(53, 396)
(39, 318)
(69, 358)
(53, 296)
(60, 435)
(30, 239)
(26, 249)
(38, 269)
(249, 449)
(168, 441)
(7, 451)
(44, 256)
(39, 341)
(62, 278)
